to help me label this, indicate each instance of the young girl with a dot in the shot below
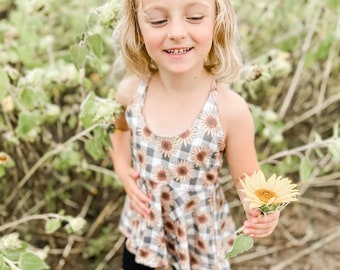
(181, 120)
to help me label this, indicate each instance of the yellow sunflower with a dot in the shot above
(268, 195)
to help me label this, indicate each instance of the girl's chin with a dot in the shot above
(180, 69)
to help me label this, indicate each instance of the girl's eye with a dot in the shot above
(158, 22)
(195, 18)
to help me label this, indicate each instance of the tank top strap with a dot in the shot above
(141, 90)
(213, 86)
(139, 98)
(211, 102)
(134, 109)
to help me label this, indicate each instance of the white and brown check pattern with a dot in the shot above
(189, 226)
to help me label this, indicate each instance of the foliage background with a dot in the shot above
(56, 92)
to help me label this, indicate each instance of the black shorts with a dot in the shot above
(129, 262)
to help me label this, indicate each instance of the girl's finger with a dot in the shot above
(267, 218)
(259, 232)
(255, 213)
(260, 235)
(139, 206)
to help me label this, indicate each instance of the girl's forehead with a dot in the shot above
(180, 3)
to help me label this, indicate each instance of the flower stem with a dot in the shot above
(239, 230)
(10, 263)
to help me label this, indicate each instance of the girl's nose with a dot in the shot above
(177, 30)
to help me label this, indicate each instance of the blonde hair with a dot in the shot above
(223, 60)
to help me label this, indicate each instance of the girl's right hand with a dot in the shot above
(139, 201)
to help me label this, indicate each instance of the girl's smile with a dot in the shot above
(178, 51)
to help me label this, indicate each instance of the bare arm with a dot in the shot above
(241, 158)
(121, 153)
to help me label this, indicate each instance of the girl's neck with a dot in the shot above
(181, 83)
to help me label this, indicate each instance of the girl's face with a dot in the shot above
(177, 34)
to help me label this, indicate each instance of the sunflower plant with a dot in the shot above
(265, 195)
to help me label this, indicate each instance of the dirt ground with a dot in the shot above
(307, 238)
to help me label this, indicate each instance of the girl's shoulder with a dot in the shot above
(127, 90)
(232, 107)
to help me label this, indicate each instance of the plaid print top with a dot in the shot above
(189, 225)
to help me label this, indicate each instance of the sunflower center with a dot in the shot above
(166, 145)
(182, 171)
(265, 195)
(211, 122)
(147, 132)
(161, 175)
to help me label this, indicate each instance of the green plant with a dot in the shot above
(15, 254)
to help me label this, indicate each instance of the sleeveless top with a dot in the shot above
(189, 225)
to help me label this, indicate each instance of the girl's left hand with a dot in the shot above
(260, 226)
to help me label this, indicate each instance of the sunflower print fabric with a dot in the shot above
(189, 225)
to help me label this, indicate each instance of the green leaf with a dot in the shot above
(14, 254)
(87, 83)
(96, 64)
(30, 261)
(51, 112)
(29, 98)
(107, 181)
(4, 84)
(88, 110)
(78, 55)
(95, 43)
(242, 243)
(70, 157)
(334, 149)
(26, 54)
(52, 225)
(28, 122)
(97, 110)
(92, 20)
(96, 146)
(306, 168)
